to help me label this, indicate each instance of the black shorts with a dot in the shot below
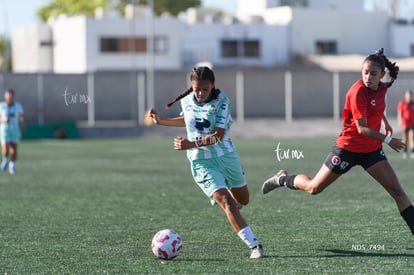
(408, 128)
(341, 161)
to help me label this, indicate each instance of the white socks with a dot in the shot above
(246, 234)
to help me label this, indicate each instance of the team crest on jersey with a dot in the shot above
(211, 109)
(336, 160)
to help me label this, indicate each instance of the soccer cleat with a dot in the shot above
(273, 182)
(4, 164)
(12, 170)
(257, 252)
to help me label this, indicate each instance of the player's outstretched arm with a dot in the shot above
(172, 122)
(364, 130)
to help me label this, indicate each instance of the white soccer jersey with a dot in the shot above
(201, 119)
(13, 112)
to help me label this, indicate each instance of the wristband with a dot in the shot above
(387, 139)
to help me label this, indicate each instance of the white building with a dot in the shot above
(248, 8)
(277, 31)
(32, 48)
(401, 39)
(85, 44)
(324, 31)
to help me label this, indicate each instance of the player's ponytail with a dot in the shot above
(199, 73)
(179, 97)
(379, 58)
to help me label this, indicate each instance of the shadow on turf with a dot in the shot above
(351, 253)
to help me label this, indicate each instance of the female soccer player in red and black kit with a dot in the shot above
(405, 110)
(360, 141)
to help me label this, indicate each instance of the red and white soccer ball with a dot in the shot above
(166, 244)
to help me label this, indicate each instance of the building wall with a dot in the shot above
(402, 40)
(70, 49)
(348, 5)
(171, 28)
(32, 48)
(246, 8)
(202, 42)
(349, 29)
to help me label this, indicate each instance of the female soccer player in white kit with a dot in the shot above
(11, 127)
(214, 160)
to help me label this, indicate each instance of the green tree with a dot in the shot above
(5, 54)
(70, 7)
(160, 6)
(87, 7)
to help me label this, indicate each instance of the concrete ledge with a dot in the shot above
(250, 128)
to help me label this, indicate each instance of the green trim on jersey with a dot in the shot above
(202, 120)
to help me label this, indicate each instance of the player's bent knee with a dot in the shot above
(244, 201)
(314, 190)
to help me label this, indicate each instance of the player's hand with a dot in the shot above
(152, 113)
(181, 143)
(397, 144)
(388, 129)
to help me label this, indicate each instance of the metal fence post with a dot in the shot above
(240, 96)
(91, 96)
(288, 96)
(40, 100)
(141, 98)
(336, 96)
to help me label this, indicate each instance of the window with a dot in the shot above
(48, 43)
(240, 48)
(326, 47)
(160, 44)
(132, 44)
(412, 50)
(109, 44)
(251, 48)
(229, 48)
(294, 3)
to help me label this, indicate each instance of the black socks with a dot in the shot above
(288, 181)
(408, 216)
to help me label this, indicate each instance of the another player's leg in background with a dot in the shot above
(404, 139)
(243, 230)
(385, 175)
(13, 157)
(411, 138)
(5, 155)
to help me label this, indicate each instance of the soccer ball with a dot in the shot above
(166, 244)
